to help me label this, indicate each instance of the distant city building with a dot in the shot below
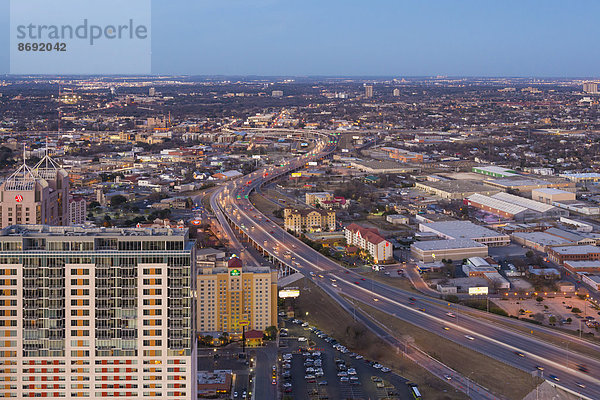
(396, 92)
(277, 93)
(561, 254)
(494, 171)
(370, 241)
(550, 195)
(403, 155)
(89, 305)
(38, 195)
(325, 200)
(77, 211)
(590, 87)
(151, 92)
(308, 220)
(230, 296)
(368, 91)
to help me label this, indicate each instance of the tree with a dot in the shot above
(529, 254)
(539, 299)
(117, 200)
(271, 332)
(575, 310)
(94, 204)
(552, 320)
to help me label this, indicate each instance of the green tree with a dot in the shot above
(117, 200)
(271, 332)
(552, 320)
(539, 299)
(575, 310)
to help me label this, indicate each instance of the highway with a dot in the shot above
(508, 346)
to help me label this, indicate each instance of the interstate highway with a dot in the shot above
(490, 339)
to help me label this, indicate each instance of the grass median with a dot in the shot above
(486, 371)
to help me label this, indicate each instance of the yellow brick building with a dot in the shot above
(233, 294)
(309, 220)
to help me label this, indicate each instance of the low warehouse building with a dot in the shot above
(456, 249)
(466, 230)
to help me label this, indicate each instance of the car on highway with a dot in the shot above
(469, 337)
(274, 381)
(445, 328)
(447, 377)
(582, 368)
(519, 354)
(539, 367)
(322, 383)
(357, 282)
(385, 369)
(555, 378)
(412, 299)
(451, 315)
(581, 385)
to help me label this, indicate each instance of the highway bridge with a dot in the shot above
(502, 342)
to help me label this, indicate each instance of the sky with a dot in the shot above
(397, 38)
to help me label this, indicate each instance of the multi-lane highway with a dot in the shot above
(526, 352)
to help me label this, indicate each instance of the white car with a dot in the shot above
(469, 337)
(385, 369)
(302, 339)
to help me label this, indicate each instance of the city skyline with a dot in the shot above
(270, 38)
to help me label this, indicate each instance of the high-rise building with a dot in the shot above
(277, 93)
(97, 312)
(233, 294)
(396, 92)
(38, 195)
(151, 92)
(590, 87)
(368, 91)
(77, 211)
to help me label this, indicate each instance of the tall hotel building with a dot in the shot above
(97, 312)
(231, 295)
(38, 195)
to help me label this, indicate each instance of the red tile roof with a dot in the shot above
(253, 334)
(369, 234)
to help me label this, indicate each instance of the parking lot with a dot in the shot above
(313, 369)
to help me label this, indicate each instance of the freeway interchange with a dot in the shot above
(527, 352)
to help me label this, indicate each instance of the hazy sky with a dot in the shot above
(370, 37)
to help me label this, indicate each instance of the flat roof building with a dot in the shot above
(455, 189)
(466, 230)
(561, 254)
(454, 249)
(582, 266)
(496, 172)
(550, 195)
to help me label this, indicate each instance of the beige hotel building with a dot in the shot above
(233, 294)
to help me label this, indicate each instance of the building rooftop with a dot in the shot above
(542, 238)
(461, 229)
(497, 204)
(523, 202)
(583, 249)
(551, 191)
(583, 264)
(447, 244)
(47, 230)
